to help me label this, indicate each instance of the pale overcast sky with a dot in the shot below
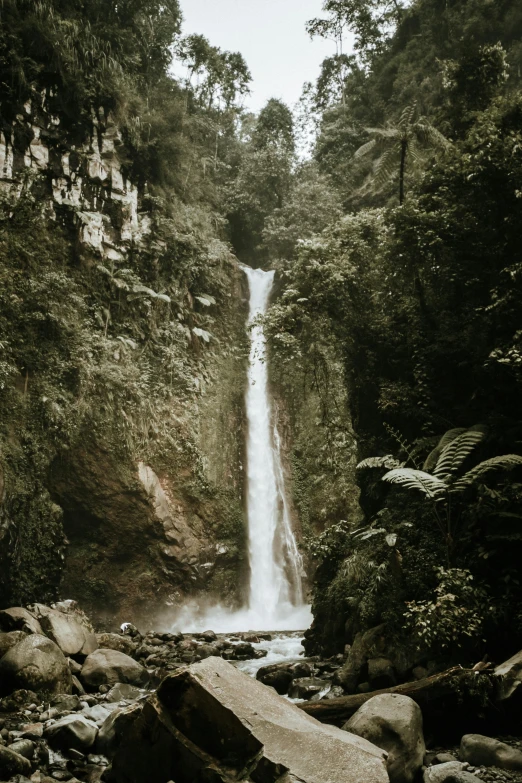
(271, 36)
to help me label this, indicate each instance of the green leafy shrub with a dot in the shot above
(456, 614)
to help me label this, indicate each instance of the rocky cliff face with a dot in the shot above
(129, 531)
(319, 442)
(320, 452)
(83, 176)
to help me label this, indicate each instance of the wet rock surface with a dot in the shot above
(212, 722)
(18, 618)
(394, 723)
(458, 770)
(449, 772)
(36, 663)
(74, 735)
(307, 687)
(478, 749)
(108, 667)
(72, 731)
(71, 636)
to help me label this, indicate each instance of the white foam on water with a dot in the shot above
(280, 649)
(196, 618)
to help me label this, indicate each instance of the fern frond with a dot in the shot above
(430, 486)
(504, 462)
(414, 151)
(407, 116)
(427, 134)
(384, 167)
(384, 133)
(454, 454)
(387, 462)
(448, 437)
(365, 149)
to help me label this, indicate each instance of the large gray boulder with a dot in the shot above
(276, 675)
(24, 747)
(366, 645)
(306, 687)
(117, 641)
(12, 764)
(36, 663)
(449, 772)
(72, 731)
(9, 639)
(479, 750)
(68, 633)
(213, 722)
(509, 675)
(375, 643)
(107, 667)
(19, 619)
(392, 722)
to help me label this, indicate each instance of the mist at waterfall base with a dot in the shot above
(275, 593)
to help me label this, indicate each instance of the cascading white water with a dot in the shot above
(275, 595)
(275, 562)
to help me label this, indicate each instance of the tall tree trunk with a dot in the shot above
(404, 149)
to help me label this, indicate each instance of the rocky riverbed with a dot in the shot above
(77, 705)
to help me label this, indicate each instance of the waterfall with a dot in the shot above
(275, 594)
(276, 565)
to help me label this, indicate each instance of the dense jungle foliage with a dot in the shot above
(414, 287)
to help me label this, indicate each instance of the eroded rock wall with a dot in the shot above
(84, 175)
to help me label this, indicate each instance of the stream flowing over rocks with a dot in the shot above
(191, 708)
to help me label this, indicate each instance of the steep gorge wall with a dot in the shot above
(129, 526)
(312, 407)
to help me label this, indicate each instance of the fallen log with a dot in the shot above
(430, 689)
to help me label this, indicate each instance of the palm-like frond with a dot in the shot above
(381, 137)
(414, 150)
(384, 167)
(430, 486)
(387, 462)
(454, 454)
(407, 136)
(407, 116)
(504, 462)
(429, 135)
(385, 133)
(365, 148)
(448, 437)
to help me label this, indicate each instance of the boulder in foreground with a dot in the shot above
(35, 663)
(213, 722)
(394, 723)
